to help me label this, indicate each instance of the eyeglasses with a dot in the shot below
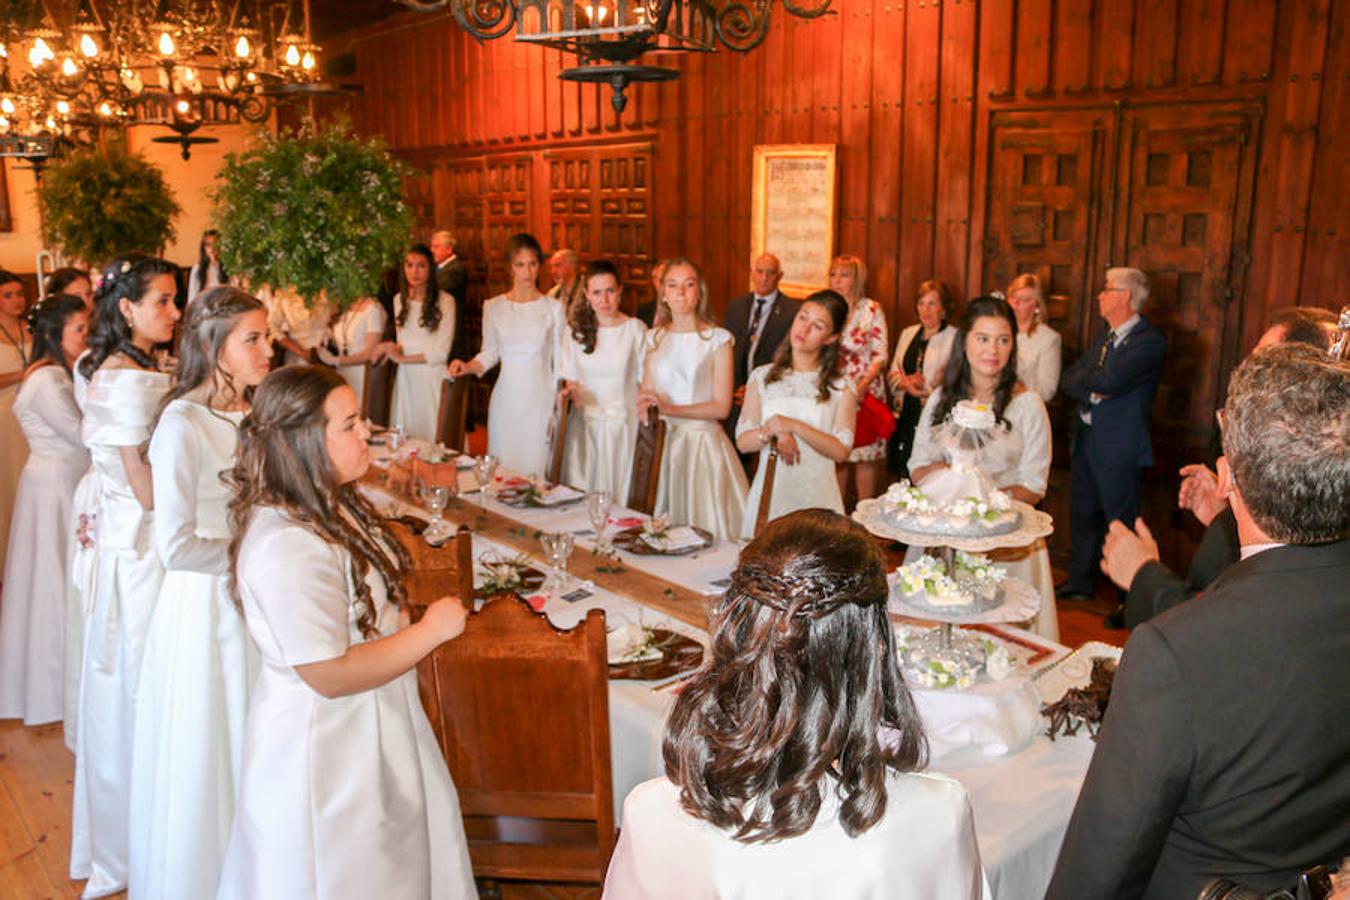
(1221, 416)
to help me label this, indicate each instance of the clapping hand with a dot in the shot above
(1200, 493)
(1124, 552)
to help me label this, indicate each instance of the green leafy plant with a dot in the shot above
(316, 209)
(98, 204)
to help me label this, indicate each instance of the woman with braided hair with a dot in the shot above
(336, 741)
(792, 759)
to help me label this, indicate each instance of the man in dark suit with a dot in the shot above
(759, 321)
(453, 278)
(1224, 751)
(646, 310)
(1114, 383)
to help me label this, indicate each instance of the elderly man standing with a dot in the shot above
(453, 278)
(759, 321)
(1225, 751)
(1114, 383)
(565, 268)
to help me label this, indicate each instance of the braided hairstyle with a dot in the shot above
(582, 320)
(127, 278)
(210, 319)
(430, 318)
(802, 681)
(283, 462)
(47, 324)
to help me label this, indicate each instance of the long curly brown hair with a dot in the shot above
(283, 462)
(802, 681)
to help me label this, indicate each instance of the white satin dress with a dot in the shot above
(118, 412)
(13, 448)
(526, 338)
(1018, 456)
(923, 847)
(350, 332)
(810, 483)
(417, 387)
(79, 574)
(346, 797)
(198, 668)
(602, 429)
(702, 482)
(33, 614)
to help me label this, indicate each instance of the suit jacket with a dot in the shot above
(1156, 588)
(453, 278)
(1225, 751)
(1127, 379)
(737, 321)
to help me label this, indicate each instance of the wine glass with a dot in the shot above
(435, 497)
(483, 469)
(598, 505)
(557, 551)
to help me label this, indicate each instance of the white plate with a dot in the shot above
(1073, 670)
(622, 643)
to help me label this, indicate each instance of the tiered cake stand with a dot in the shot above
(958, 653)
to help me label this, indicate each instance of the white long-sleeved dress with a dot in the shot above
(1039, 358)
(417, 387)
(351, 330)
(13, 448)
(198, 667)
(32, 617)
(79, 574)
(602, 429)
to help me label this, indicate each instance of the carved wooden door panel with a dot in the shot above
(1044, 183)
(1185, 203)
(506, 201)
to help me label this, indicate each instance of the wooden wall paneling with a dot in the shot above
(536, 91)
(1115, 42)
(1033, 49)
(695, 148)
(1200, 43)
(1326, 252)
(776, 85)
(997, 23)
(1249, 44)
(918, 162)
(855, 91)
(459, 83)
(1073, 45)
(956, 123)
(889, 52)
(801, 71)
(743, 144)
(1155, 43)
(826, 75)
(571, 102)
(413, 123)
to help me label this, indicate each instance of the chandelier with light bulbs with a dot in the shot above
(66, 72)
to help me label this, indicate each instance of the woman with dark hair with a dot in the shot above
(801, 402)
(335, 734)
(523, 330)
(71, 281)
(199, 662)
(16, 347)
(208, 271)
(792, 759)
(601, 364)
(32, 618)
(135, 310)
(920, 359)
(983, 368)
(424, 316)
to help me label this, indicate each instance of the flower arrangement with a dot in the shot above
(503, 576)
(657, 528)
(908, 498)
(98, 204)
(316, 210)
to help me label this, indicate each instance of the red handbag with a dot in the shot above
(875, 422)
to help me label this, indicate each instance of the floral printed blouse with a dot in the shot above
(864, 343)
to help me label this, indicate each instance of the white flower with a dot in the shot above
(997, 664)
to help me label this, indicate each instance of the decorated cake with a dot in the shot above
(960, 500)
(973, 586)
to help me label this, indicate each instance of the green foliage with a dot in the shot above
(100, 204)
(316, 210)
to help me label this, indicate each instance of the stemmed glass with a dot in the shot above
(598, 505)
(483, 469)
(395, 439)
(435, 497)
(557, 551)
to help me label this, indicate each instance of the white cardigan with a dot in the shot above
(934, 358)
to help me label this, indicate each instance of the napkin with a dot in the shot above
(626, 522)
(1000, 718)
(559, 493)
(678, 538)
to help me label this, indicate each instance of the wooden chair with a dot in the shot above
(555, 459)
(766, 495)
(522, 713)
(453, 412)
(646, 477)
(377, 392)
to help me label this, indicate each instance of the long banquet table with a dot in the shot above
(1021, 801)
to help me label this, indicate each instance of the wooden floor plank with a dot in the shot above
(37, 772)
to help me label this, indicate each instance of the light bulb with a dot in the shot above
(189, 74)
(62, 108)
(4, 51)
(50, 123)
(68, 68)
(182, 106)
(251, 77)
(166, 47)
(40, 53)
(105, 109)
(7, 106)
(307, 63)
(292, 55)
(241, 47)
(4, 123)
(88, 47)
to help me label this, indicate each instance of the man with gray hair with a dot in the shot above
(565, 268)
(453, 278)
(1114, 383)
(1224, 752)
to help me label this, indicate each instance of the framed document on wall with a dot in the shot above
(793, 212)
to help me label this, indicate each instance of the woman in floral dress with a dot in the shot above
(864, 345)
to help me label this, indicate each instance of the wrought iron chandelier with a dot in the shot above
(609, 36)
(182, 64)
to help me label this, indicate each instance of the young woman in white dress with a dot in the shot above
(864, 344)
(1039, 355)
(301, 327)
(80, 572)
(16, 346)
(813, 792)
(1018, 458)
(523, 330)
(800, 401)
(687, 377)
(208, 271)
(135, 311)
(356, 335)
(32, 617)
(199, 661)
(336, 742)
(601, 367)
(426, 331)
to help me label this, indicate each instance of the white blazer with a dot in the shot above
(934, 359)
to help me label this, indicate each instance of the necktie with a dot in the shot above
(1107, 345)
(755, 316)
